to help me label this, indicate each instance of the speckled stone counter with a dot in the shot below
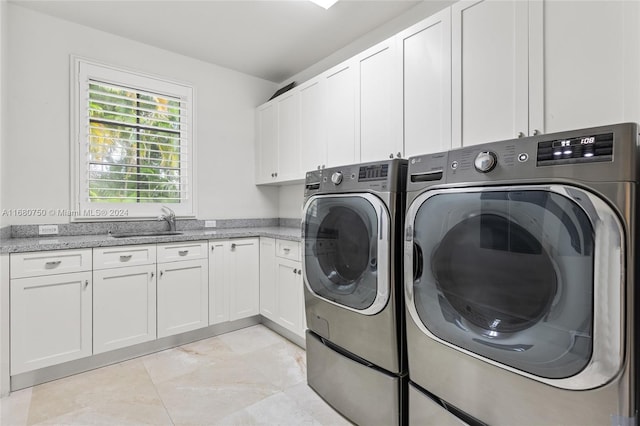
(21, 245)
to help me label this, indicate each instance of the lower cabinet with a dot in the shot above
(51, 320)
(124, 307)
(234, 279)
(183, 288)
(281, 284)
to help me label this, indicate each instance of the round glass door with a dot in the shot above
(342, 254)
(507, 275)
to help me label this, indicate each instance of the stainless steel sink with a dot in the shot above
(145, 234)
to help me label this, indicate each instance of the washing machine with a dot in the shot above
(352, 231)
(520, 261)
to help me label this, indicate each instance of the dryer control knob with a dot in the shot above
(336, 178)
(485, 161)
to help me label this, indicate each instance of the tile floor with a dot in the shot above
(252, 376)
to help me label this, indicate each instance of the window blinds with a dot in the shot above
(137, 145)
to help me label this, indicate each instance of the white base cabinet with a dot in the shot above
(234, 279)
(124, 307)
(51, 315)
(281, 284)
(183, 288)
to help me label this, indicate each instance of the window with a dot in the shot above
(135, 145)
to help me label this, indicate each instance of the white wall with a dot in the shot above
(36, 151)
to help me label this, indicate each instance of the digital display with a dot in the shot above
(576, 150)
(376, 172)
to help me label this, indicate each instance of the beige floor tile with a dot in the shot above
(122, 391)
(176, 362)
(213, 392)
(283, 363)
(276, 410)
(305, 397)
(14, 410)
(251, 339)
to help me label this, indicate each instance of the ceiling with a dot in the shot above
(273, 40)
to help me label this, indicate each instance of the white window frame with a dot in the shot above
(83, 70)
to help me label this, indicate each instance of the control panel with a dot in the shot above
(382, 176)
(583, 149)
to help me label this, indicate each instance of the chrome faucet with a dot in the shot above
(169, 217)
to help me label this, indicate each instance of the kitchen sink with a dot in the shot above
(145, 234)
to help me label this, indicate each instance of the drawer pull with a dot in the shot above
(287, 250)
(52, 264)
(183, 252)
(125, 258)
(233, 246)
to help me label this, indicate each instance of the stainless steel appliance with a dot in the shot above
(352, 254)
(520, 279)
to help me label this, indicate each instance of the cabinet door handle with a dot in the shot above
(295, 271)
(86, 283)
(536, 132)
(183, 252)
(153, 274)
(299, 271)
(399, 155)
(125, 258)
(233, 246)
(521, 135)
(53, 264)
(391, 155)
(161, 274)
(213, 247)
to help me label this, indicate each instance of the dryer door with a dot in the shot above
(346, 251)
(528, 278)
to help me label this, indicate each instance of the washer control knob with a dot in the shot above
(485, 161)
(336, 178)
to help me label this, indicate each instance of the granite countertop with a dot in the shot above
(21, 245)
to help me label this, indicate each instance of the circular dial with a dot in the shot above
(336, 178)
(485, 161)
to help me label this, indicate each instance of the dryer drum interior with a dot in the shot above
(507, 275)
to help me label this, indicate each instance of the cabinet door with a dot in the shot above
(268, 296)
(313, 140)
(218, 285)
(584, 71)
(289, 137)
(341, 114)
(289, 290)
(267, 143)
(51, 320)
(183, 296)
(489, 71)
(244, 279)
(426, 60)
(380, 107)
(124, 307)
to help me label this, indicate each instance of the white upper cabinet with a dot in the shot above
(490, 79)
(267, 143)
(340, 107)
(584, 63)
(313, 129)
(426, 62)
(380, 106)
(289, 136)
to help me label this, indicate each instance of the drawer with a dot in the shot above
(187, 250)
(121, 256)
(49, 262)
(288, 249)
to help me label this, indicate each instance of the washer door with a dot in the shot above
(346, 251)
(528, 278)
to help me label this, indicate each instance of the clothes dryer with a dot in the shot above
(352, 256)
(520, 279)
